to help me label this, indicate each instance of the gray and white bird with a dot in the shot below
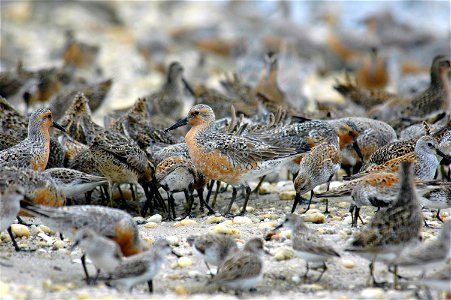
(212, 248)
(141, 267)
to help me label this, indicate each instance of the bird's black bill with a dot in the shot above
(176, 254)
(356, 147)
(73, 246)
(179, 123)
(444, 155)
(278, 227)
(188, 87)
(56, 125)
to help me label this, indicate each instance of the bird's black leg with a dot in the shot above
(229, 207)
(248, 194)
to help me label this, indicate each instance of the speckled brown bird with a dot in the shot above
(170, 100)
(423, 157)
(178, 174)
(373, 72)
(393, 228)
(228, 157)
(39, 187)
(267, 85)
(33, 152)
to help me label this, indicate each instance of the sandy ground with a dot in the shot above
(51, 273)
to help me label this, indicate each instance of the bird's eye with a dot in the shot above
(196, 113)
(430, 144)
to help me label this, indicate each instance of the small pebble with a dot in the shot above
(287, 195)
(58, 244)
(316, 218)
(35, 230)
(155, 218)
(4, 237)
(267, 216)
(242, 220)
(296, 279)
(173, 240)
(347, 263)
(313, 287)
(265, 188)
(250, 209)
(184, 262)
(185, 222)
(234, 208)
(267, 225)
(180, 290)
(372, 293)
(286, 234)
(223, 229)
(20, 230)
(215, 219)
(148, 240)
(283, 253)
(150, 225)
(343, 204)
(46, 230)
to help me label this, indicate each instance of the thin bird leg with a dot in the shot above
(257, 188)
(209, 270)
(371, 266)
(148, 205)
(203, 203)
(297, 199)
(93, 281)
(83, 263)
(360, 218)
(395, 277)
(215, 197)
(171, 203)
(150, 285)
(110, 194)
(327, 200)
(307, 269)
(158, 197)
(209, 189)
(88, 197)
(200, 194)
(248, 194)
(394, 270)
(224, 189)
(133, 192)
(190, 199)
(324, 270)
(351, 211)
(229, 207)
(13, 239)
(356, 216)
(374, 282)
(20, 221)
(309, 201)
(120, 192)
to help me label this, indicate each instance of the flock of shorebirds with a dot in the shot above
(392, 164)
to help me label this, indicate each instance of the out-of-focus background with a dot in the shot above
(133, 42)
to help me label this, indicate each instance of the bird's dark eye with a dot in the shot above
(430, 144)
(196, 113)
